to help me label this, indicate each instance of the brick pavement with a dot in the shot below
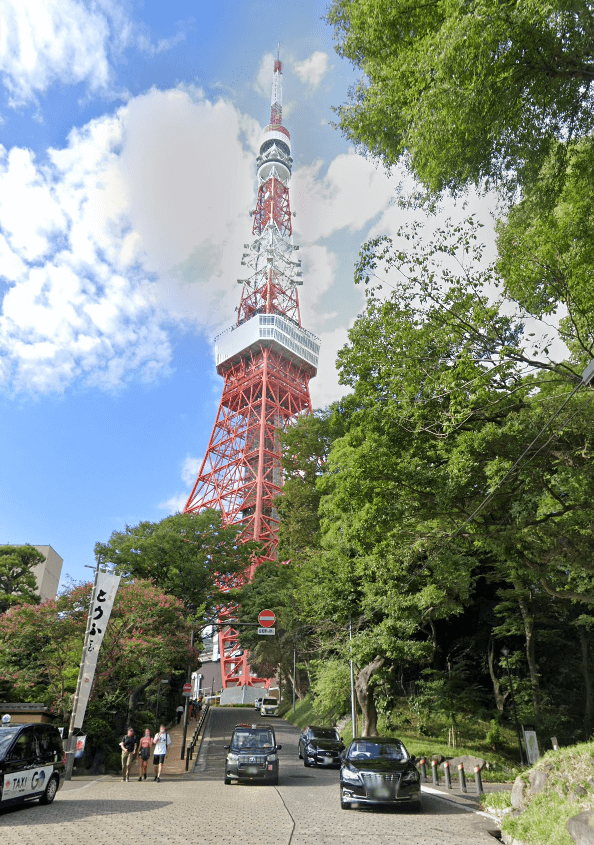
(186, 808)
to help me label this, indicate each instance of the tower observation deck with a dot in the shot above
(266, 360)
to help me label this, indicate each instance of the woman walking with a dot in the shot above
(145, 752)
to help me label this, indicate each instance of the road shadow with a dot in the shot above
(33, 814)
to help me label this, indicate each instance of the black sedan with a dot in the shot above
(379, 770)
(320, 747)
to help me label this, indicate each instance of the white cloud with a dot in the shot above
(138, 220)
(190, 470)
(47, 41)
(263, 83)
(189, 473)
(352, 193)
(313, 70)
(324, 388)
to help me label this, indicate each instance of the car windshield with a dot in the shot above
(252, 738)
(363, 750)
(6, 737)
(324, 733)
(270, 702)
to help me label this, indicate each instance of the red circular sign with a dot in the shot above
(187, 687)
(266, 618)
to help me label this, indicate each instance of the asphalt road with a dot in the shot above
(303, 810)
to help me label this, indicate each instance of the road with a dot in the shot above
(303, 810)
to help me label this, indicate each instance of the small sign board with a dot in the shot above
(266, 618)
(187, 691)
(267, 632)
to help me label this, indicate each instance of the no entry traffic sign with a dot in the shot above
(266, 618)
(187, 690)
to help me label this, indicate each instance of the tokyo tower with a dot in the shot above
(266, 359)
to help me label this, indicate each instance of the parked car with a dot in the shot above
(320, 747)
(252, 754)
(32, 763)
(269, 706)
(379, 770)
(257, 704)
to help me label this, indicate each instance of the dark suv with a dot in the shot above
(32, 763)
(252, 754)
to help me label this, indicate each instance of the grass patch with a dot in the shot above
(569, 790)
(543, 823)
(498, 801)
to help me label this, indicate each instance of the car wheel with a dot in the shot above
(306, 763)
(345, 805)
(274, 781)
(50, 791)
(227, 781)
(418, 806)
(300, 754)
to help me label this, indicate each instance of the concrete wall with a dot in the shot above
(48, 573)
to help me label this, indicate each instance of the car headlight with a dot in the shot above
(272, 758)
(310, 749)
(410, 777)
(232, 758)
(350, 776)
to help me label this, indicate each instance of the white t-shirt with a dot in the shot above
(162, 743)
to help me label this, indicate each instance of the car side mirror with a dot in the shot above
(279, 747)
(226, 747)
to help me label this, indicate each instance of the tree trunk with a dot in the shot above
(589, 703)
(365, 696)
(500, 696)
(528, 619)
(134, 697)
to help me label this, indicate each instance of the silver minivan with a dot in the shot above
(269, 707)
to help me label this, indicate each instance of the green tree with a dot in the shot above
(183, 555)
(447, 394)
(148, 637)
(17, 581)
(468, 91)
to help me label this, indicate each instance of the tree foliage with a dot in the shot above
(148, 637)
(17, 581)
(470, 91)
(182, 554)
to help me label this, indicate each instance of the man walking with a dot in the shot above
(162, 741)
(128, 746)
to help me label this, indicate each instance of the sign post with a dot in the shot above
(266, 620)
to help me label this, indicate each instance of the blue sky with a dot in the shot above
(128, 136)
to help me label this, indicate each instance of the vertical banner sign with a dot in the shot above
(104, 594)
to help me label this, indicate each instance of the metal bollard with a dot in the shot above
(423, 764)
(434, 772)
(478, 781)
(448, 774)
(462, 777)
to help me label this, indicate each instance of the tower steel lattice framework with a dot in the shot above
(267, 359)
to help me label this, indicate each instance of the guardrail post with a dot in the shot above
(434, 772)
(462, 777)
(478, 781)
(423, 764)
(448, 774)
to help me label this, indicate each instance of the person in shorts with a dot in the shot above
(162, 741)
(128, 746)
(144, 747)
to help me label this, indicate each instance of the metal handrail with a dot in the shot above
(190, 748)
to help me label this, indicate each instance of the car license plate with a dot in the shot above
(251, 770)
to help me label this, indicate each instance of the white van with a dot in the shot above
(269, 707)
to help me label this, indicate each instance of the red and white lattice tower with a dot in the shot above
(267, 359)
